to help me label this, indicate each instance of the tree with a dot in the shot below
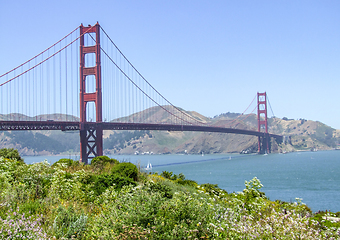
(11, 153)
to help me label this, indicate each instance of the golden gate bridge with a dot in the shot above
(85, 83)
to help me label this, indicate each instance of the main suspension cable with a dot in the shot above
(39, 54)
(195, 120)
(38, 64)
(270, 106)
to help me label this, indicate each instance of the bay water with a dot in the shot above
(312, 176)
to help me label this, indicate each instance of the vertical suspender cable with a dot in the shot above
(129, 97)
(33, 88)
(132, 99)
(39, 95)
(48, 81)
(54, 99)
(29, 93)
(17, 99)
(66, 93)
(125, 93)
(60, 84)
(8, 100)
(72, 92)
(43, 92)
(13, 103)
(78, 77)
(2, 99)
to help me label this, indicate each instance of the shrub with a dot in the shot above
(163, 189)
(94, 185)
(69, 162)
(35, 177)
(167, 174)
(101, 160)
(126, 169)
(213, 189)
(129, 216)
(104, 181)
(68, 224)
(65, 185)
(11, 153)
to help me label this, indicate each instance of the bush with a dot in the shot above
(69, 162)
(213, 189)
(104, 181)
(163, 189)
(10, 153)
(68, 224)
(94, 185)
(180, 178)
(101, 160)
(126, 169)
(67, 186)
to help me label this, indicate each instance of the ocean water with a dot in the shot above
(312, 176)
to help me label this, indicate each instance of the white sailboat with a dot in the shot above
(149, 166)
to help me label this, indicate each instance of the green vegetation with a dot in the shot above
(112, 200)
(55, 143)
(10, 153)
(324, 134)
(118, 140)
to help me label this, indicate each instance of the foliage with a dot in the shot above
(68, 224)
(10, 153)
(326, 219)
(56, 142)
(101, 160)
(67, 201)
(163, 189)
(37, 141)
(18, 226)
(103, 181)
(118, 139)
(69, 162)
(180, 178)
(213, 189)
(126, 169)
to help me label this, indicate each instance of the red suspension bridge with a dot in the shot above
(84, 82)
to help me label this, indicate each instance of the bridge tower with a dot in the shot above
(263, 142)
(91, 135)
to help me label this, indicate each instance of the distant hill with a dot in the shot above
(300, 135)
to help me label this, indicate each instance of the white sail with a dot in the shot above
(148, 167)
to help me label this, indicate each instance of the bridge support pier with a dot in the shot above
(264, 144)
(91, 143)
(91, 134)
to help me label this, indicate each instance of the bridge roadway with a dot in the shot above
(72, 126)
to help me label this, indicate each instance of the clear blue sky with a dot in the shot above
(207, 56)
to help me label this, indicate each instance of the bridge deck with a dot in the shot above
(71, 126)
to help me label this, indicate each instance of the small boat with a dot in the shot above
(149, 166)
